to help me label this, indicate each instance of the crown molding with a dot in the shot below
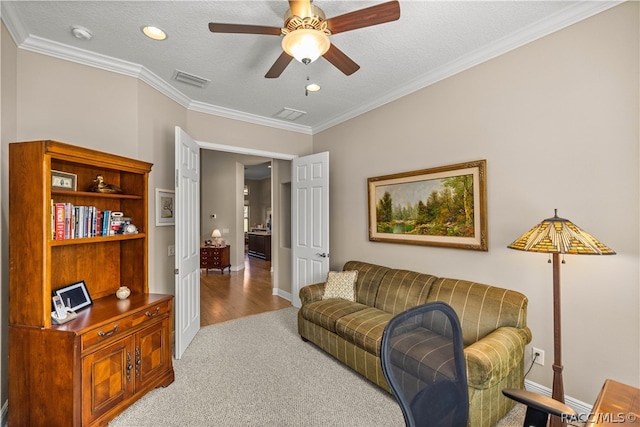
(538, 30)
(570, 16)
(215, 110)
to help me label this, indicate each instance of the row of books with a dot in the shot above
(75, 222)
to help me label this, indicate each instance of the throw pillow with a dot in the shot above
(341, 284)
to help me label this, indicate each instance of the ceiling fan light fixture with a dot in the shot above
(312, 87)
(306, 45)
(154, 33)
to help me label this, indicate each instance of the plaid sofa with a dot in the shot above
(493, 325)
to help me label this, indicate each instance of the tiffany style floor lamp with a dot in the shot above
(558, 236)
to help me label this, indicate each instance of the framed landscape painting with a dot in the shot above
(443, 206)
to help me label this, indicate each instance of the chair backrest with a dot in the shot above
(422, 357)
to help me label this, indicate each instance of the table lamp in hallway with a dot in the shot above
(216, 237)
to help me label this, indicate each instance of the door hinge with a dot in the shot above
(176, 271)
(176, 178)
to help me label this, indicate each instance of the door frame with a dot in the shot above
(249, 152)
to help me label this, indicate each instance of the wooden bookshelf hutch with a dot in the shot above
(86, 371)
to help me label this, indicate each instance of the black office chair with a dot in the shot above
(423, 362)
(422, 357)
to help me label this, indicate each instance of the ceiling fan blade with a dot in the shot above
(340, 60)
(301, 8)
(374, 15)
(244, 29)
(278, 67)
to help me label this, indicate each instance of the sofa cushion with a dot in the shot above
(424, 354)
(326, 312)
(481, 308)
(369, 278)
(401, 290)
(364, 328)
(341, 284)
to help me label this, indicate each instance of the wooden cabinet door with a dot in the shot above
(152, 352)
(107, 379)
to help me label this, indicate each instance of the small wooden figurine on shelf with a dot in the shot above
(102, 187)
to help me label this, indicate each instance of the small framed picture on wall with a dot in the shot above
(165, 203)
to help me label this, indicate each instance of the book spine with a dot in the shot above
(68, 214)
(59, 221)
(98, 222)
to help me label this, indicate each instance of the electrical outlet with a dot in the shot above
(540, 359)
(171, 251)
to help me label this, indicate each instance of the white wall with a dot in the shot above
(558, 123)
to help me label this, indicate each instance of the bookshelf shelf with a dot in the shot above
(100, 239)
(68, 193)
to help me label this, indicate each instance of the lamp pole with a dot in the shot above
(558, 385)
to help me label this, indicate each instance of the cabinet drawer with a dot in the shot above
(151, 313)
(106, 333)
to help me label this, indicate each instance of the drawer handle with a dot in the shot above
(108, 334)
(148, 314)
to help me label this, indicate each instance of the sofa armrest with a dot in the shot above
(491, 358)
(311, 293)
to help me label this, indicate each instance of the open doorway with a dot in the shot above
(250, 286)
(257, 213)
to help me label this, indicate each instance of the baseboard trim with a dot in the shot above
(577, 405)
(237, 267)
(282, 294)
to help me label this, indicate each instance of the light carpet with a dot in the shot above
(256, 371)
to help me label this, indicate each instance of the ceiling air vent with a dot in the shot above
(289, 114)
(190, 79)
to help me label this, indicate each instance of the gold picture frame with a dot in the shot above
(442, 206)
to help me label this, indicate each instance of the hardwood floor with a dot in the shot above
(238, 294)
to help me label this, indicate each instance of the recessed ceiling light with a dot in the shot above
(81, 33)
(154, 32)
(313, 87)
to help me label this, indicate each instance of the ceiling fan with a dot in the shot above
(306, 33)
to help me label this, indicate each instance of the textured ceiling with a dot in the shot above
(431, 41)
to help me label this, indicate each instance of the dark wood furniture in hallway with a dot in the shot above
(238, 294)
(215, 258)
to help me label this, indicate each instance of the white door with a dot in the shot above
(309, 221)
(187, 229)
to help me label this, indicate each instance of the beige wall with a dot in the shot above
(76, 104)
(558, 123)
(8, 129)
(218, 130)
(157, 118)
(281, 227)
